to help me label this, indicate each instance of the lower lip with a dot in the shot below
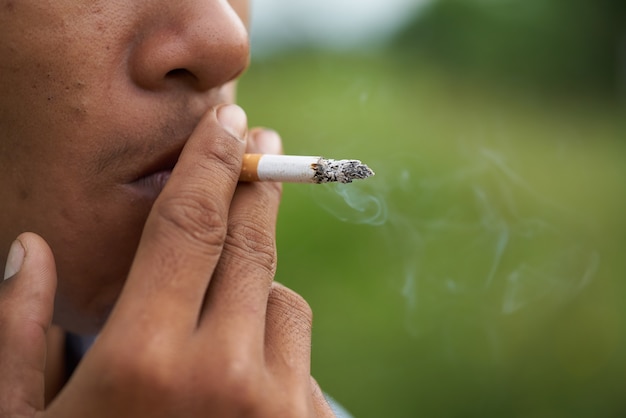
(151, 185)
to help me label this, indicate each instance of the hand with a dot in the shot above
(200, 329)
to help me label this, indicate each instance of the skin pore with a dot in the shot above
(122, 215)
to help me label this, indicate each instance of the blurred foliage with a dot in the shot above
(481, 272)
(556, 44)
(493, 286)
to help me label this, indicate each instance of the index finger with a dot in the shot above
(183, 237)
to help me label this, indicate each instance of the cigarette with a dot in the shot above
(301, 169)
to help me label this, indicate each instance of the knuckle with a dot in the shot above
(240, 382)
(226, 157)
(290, 306)
(252, 243)
(298, 408)
(222, 162)
(296, 401)
(157, 375)
(191, 217)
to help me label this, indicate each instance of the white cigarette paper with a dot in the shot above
(301, 169)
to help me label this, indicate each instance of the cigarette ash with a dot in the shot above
(341, 171)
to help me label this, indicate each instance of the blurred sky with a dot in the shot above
(329, 23)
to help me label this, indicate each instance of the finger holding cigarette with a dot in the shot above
(301, 169)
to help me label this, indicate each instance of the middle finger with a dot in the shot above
(239, 290)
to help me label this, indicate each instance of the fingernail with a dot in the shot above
(268, 142)
(14, 260)
(233, 119)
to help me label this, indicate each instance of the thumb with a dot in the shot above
(26, 306)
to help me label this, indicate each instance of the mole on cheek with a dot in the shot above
(23, 193)
(65, 214)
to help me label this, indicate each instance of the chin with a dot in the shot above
(92, 272)
(83, 305)
(83, 324)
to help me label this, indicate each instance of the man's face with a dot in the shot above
(97, 98)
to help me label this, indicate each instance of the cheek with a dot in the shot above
(93, 238)
(32, 65)
(56, 113)
(41, 109)
(54, 88)
(60, 70)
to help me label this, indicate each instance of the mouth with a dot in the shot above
(153, 178)
(150, 186)
(150, 160)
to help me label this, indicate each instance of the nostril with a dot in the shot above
(177, 72)
(180, 74)
(203, 48)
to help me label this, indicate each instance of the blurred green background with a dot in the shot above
(482, 271)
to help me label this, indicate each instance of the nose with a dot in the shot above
(202, 44)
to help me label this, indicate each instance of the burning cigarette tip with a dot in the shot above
(301, 169)
(342, 171)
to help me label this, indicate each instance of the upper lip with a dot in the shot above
(165, 161)
(162, 153)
